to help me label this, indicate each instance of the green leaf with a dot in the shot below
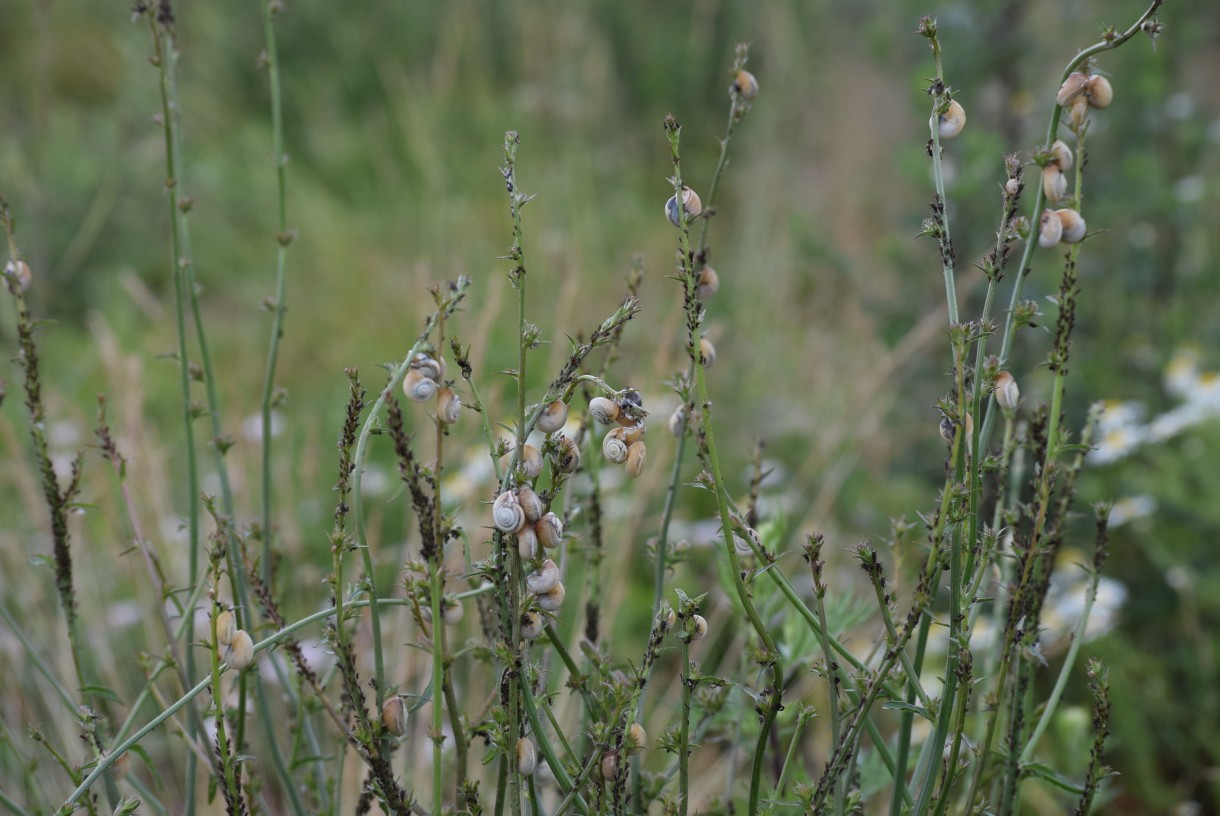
(899, 705)
(1047, 774)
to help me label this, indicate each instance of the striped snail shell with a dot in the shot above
(552, 599)
(553, 417)
(531, 505)
(603, 410)
(507, 514)
(549, 530)
(636, 455)
(543, 579)
(615, 445)
(448, 406)
(419, 387)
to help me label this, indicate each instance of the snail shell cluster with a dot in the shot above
(520, 512)
(1054, 181)
(1081, 91)
(623, 445)
(1060, 226)
(424, 381)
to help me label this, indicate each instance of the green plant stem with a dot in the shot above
(544, 745)
(938, 176)
(12, 805)
(438, 680)
(684, 733)
(283, 238)
(788, 757)
(904, 729)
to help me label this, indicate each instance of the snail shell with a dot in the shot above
(430, 367)
(240, 652)
(226, 627)
(707, 352)
(690, 203)
(636, 455)
(543, 579)
(527, 543)
(531, 462)
(745, 85)
(603, 410)
(527, 758)
(1007, 394)
(531, 624)
(700, 630)
(20, 272)
(530, 503)
(1050, 229)
(1099, 91)
(677, 421)
(1072, 89)
(708, 283)
(549, 530)
(615, 445)
(553, 417)
(637, 738)
(552, 599)
(952, 121)
(452, 611)
(506, 513)
(567, 458)
(609, 765)
(1061, 154)
(448, 406)
(418, 386)
(394, 715)
(1073, 226)
(1054, 184)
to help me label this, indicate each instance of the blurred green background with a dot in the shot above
(827, 326)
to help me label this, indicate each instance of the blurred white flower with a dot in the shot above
(1117, 443)
(1130, 508)
(1182, 372)
(252, 426)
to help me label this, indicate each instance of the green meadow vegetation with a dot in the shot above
(589, 408)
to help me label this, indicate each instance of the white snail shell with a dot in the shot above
(700, 630)
(430, 367)
(707, 352)
(527, 543)
(552, 418)
(615, 445)
(1073, 226)
(452, 611)
(226, 628)
(1054, 184)
(507, 514)
(609, 765)
(527, 758)
(1072, 88)
(544, 578)
(240, 651)
(690, 203)
(708, 283)
(531, 462)
(418, 386)
(603, 410)
(1007, 394)
(1061, 154)
(637, 738)
(677, 421)
(552, 599)
(394, 715)
(1098, 91)
(952, 121)
(531, 505)
(448, 406)
(1050, 230)
(567, 457)
(531, 625)
(637, 454)
(549, 531)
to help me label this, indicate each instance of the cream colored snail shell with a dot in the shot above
(20, 272)
(1050, 229)
(552, 599)
(677, 421)
(1061, 154)
(634, 433)
(527, 543)
(552, 418)
(952, 121)
(431, 367)
(609, 765)
(707, 352)
(531, 462)
(394, 715)
(226, 627)
(506, 513)
(567, 457)
(603, 410)
(637, 454)
(1054, 184)
(544, 578)
(1073, 226)
(1099, 92)
(452, 611)
(615, 445)
(448, 406)
(745, 85)
(708, 283)
(240, 651)
(549, 531)
(527, 757)
(531, 624)
(531, 505)
(1007, 394)
(690, 203)
(1072, 88)
(1012, 186)
(637, 739)
(669, 620)
(418, 387)
(699, 632)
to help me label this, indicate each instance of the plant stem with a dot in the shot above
(684, 733)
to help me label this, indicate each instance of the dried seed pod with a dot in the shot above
(1061, 154)
(1054, 184)
(567, 457)
(394, 715)
(677, 421)
(1050, 229)
(543, 579)
(745, 85)
(614, 446)
(531, 505)
(527, 543)
(1073, 226)
(20, 272)
(531, 624)
(527, 758)
(552, 418)
(690, 203)
(952, 121)
(700, 630)
(507, 514)
(240, 652)
(1073, 88)
(609, 765)
(1007, 394)
(418, 386)
(603, 410)
(431, 367)
(708, 283)
(637, 739)
(1098, 91)
(707, 352)
(637, 454)
(448, 406)
(549, 531)
(226, 627)
(552, 599)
